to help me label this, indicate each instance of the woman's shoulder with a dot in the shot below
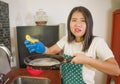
(62, 42)
(97, 38)
(64, 37)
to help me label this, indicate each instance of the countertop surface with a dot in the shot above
(53, 75)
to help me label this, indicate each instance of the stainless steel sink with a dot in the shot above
(30, 80)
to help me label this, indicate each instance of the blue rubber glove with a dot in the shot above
(37, 47)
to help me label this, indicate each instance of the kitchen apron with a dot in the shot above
(71, 73)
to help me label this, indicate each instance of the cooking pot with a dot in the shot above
(45, 61)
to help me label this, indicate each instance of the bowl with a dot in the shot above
(33, 71)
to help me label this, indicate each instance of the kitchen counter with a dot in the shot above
(53, 75)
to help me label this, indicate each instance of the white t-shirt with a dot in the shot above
(98, 49)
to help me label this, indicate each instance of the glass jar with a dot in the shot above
(41, 17)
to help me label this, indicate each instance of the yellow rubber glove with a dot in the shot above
(31, 40)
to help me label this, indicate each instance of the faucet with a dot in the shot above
(10, 57)
(3, 79)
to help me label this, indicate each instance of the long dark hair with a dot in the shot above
(88, 36)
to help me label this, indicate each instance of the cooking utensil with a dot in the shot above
(45, 61)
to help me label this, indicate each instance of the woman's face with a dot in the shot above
(78, 24)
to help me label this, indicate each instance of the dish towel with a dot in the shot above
(71, 73)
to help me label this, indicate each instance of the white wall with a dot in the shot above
(22, 11)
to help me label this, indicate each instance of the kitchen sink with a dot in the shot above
(30, 80)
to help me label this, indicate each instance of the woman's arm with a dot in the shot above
(109, 66)
(55, 49)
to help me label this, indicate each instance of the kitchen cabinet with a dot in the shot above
(115, 43)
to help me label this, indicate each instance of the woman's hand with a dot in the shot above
(80, 59)
(34, 45)
(37, 47)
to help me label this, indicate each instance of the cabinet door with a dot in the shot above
(115, 45)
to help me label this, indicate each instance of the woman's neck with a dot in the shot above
(78, 39)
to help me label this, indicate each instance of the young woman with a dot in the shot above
(85, 48)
